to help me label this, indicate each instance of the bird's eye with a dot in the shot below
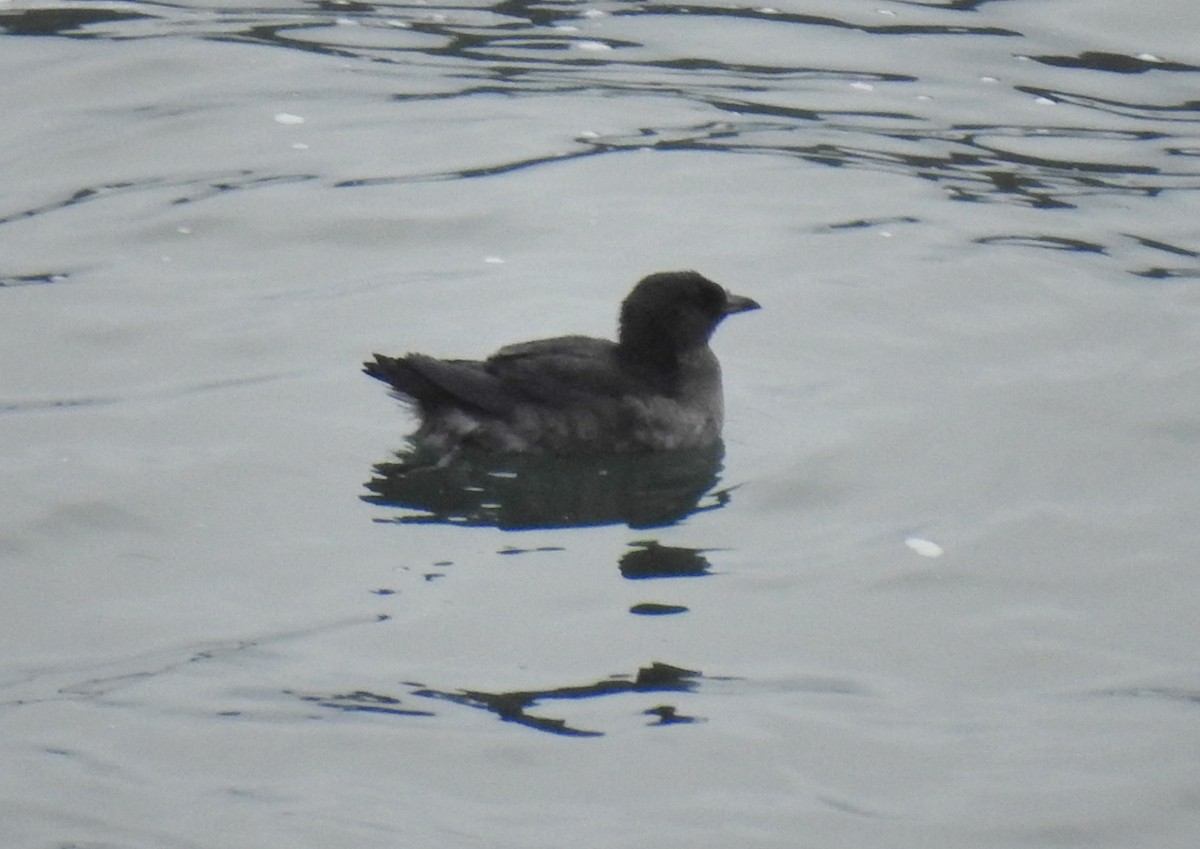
(715, 298)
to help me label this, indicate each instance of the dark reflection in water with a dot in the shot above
(955, 5)
(1116, 63)
(12, 280)
(1057, 243)
(517, 492)
(649, 559)
(1159, 245)
(70, 20)
(361, 701)
(514, 706)
(1184, 111)
(650, 608)
(963, 160)
(1062, 243)
(1172, 694)
(1159, 272)
(774, 15)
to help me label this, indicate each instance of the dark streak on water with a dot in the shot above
(1112, 62)
(71, 22)
(52, 404)
(816, 20)
(12, 281)
(515, 706)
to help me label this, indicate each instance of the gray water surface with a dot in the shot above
(940, 591)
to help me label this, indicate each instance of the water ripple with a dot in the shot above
(756, 106)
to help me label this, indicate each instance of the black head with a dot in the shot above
(676, 310)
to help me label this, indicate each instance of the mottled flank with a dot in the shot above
(657, 388)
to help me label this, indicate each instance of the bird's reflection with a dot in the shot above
(516, 492)
(517, 706)
(650, 559)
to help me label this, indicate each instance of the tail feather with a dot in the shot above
(433, 383)
(399, 374)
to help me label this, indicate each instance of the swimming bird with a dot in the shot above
(657, 388)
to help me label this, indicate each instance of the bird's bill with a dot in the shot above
(740, 303)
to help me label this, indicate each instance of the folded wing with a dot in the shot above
(564, 371)
(556, 372)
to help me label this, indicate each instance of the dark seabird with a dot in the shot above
(657, 388)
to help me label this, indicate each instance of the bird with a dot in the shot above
(656, 388)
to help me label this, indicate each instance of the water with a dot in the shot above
(942, 594)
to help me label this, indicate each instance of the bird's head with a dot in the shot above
(676, 310)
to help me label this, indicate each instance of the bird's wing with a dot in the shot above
(551, 372)
(562, 371)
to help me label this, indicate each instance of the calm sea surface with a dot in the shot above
(940, 592)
